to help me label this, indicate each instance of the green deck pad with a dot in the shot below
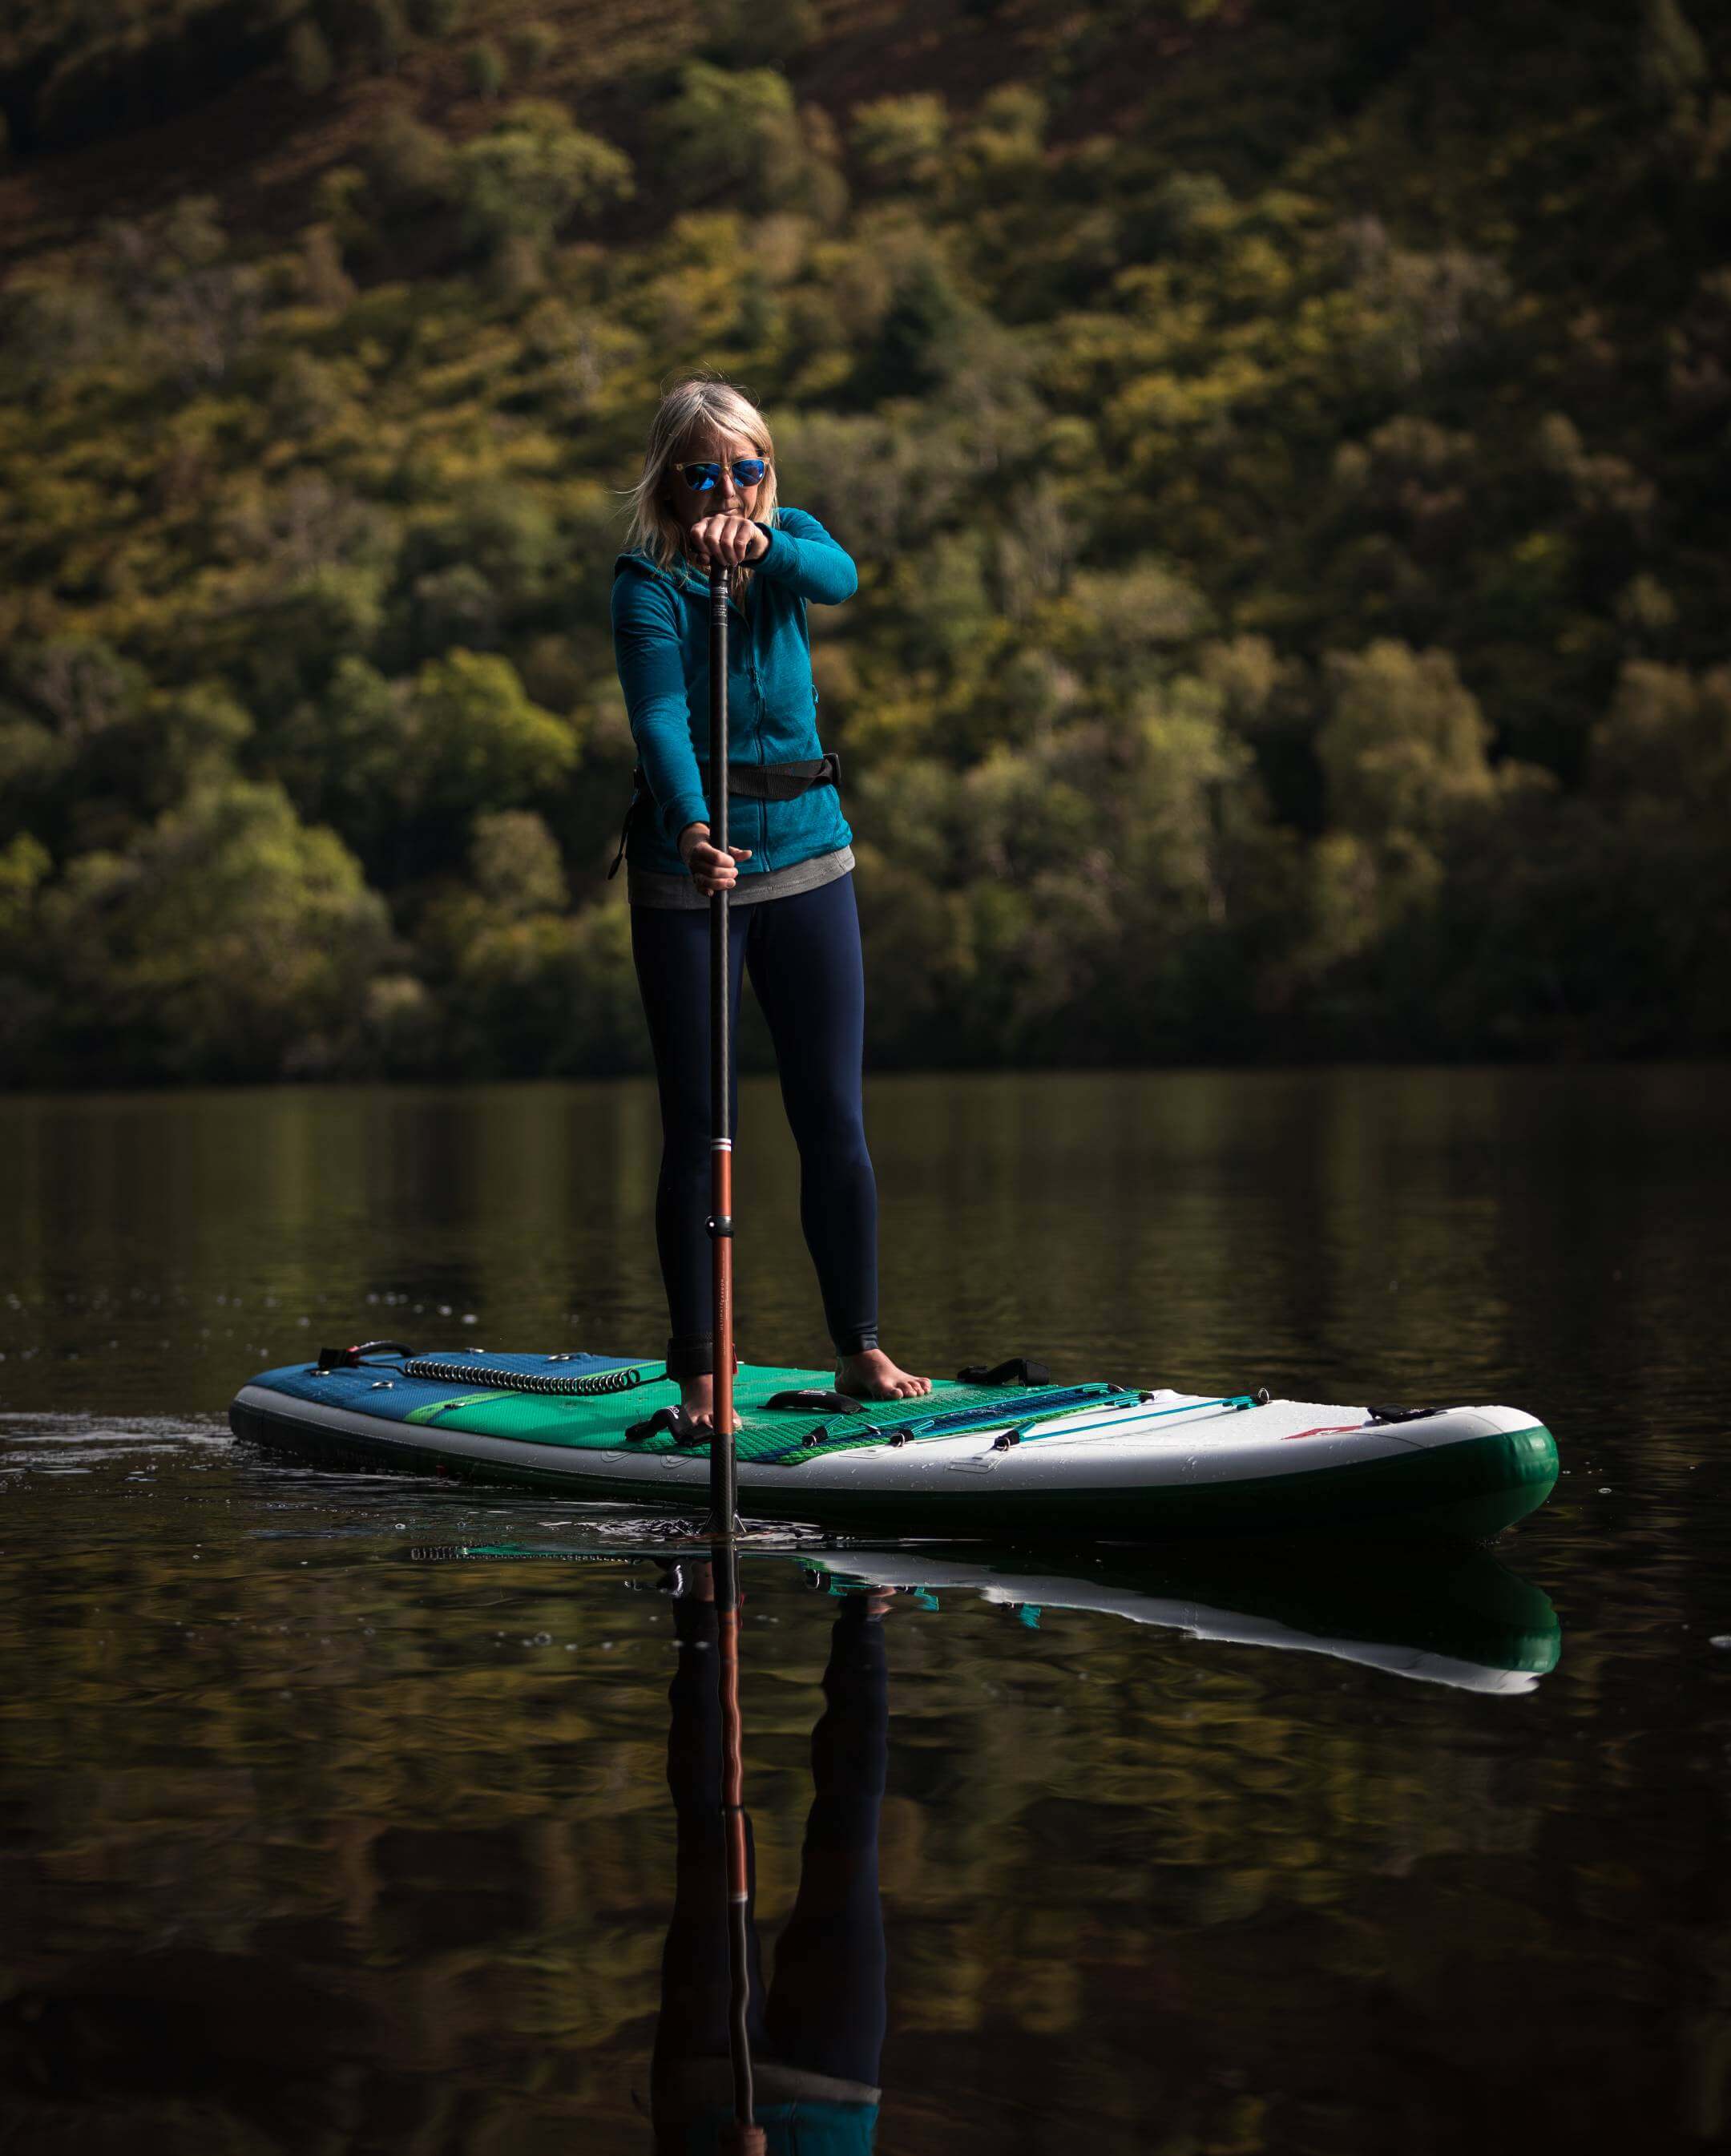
(764, 1433)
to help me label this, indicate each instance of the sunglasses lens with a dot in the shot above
(701, 478)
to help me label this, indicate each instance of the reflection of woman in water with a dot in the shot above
(817, 2035)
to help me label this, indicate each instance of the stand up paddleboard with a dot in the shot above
(990, 1453)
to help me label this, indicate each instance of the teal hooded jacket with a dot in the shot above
(661, 642)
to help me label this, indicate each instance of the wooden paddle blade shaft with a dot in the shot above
(723, 1476)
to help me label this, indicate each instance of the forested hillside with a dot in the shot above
(1286, 444)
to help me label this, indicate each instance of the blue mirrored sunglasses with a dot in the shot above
(747, 471)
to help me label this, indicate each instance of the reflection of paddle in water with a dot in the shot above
(816, 2035)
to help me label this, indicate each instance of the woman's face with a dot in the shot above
(726, 497)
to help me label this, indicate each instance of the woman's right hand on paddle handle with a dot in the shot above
(712, 870)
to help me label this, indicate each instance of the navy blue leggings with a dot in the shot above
(803, 953)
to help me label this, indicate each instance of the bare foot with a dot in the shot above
(696, 1400)
(872, 1376)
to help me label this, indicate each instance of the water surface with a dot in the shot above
(320, 1837)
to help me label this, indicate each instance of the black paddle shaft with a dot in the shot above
(721, 1476)
(718, 838)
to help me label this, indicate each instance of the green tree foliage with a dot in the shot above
(475, 740)
(190, 304)
(438, 19)
(916, 348)
(532, 171)
(1289, 487)
(1664, 748)
(514, 864)
(49, 323)
(530, 47)
(766, 33)
(376, 32)
(24, 866)
(311, 67)
(227, 939)
(899, 142)
(1672, 63)
(1403, 746)
(485, 68)
(340, 753)
(999, 154)
(27, 1002)
(733, 129)
(409, 166)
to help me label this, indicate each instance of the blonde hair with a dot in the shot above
(699, 404)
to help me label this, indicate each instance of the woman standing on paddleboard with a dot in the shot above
(707, 496)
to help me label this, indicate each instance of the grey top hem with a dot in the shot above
(647, 887)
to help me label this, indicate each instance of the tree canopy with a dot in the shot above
(1288, 461)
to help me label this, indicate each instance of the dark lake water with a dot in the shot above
(319, 1838)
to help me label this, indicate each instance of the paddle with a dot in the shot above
(747, 2136)
(723, 1519)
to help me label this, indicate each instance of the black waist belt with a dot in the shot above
(745, 782)
(782, 781)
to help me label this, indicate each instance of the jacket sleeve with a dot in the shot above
(650, 658)
(802, 556)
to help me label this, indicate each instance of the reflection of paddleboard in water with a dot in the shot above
(1474, 1624)
(975, 1458)
(1465, 1620)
